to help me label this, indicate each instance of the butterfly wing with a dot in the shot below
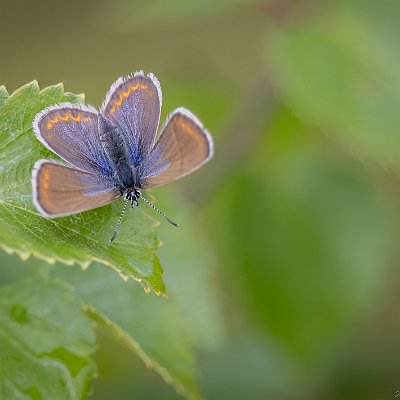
(72, 133)
(59, 190)
(183, 146)
(133, 105)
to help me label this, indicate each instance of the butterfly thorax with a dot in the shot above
(126, 177)
(126, 174)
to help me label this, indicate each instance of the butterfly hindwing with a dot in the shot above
(59, 190)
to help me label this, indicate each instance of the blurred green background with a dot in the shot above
(294, 224)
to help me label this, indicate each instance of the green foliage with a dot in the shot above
(78, 239)
(146, 325)
(340, 74)
(288, 238)
(45, 341)
(313, 213)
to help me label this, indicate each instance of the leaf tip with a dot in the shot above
(84, 265)
(124, 277)
(146, 289)
(59, 86)
(24, 256)
(35, 85)
(81, 96)
(3, 91)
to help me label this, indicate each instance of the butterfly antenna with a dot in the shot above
(119, 221)
(156, 209)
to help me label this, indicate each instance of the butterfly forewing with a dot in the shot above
(184, 145)
(72, 132)
(133, 104)
(59, 190)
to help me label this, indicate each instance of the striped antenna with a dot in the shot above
(156, 209)
(119, 221)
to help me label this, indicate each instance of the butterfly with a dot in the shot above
(114, 152)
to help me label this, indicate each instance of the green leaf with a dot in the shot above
(162, 333)
(77, 239)
(149, 326)
(45, 342)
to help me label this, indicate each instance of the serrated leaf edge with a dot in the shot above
(25, 255)
(127, 340)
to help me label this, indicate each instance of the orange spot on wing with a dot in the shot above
(125, 95)
(66, 117)
(44, 179)
(185, 125)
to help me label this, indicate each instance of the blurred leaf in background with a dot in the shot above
(340, 74)
(283, 279)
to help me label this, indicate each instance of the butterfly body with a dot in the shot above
(124, 169)
(114, 152)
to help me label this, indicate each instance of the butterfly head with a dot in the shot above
(132, 196)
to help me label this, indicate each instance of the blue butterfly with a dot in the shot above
(114, 152)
